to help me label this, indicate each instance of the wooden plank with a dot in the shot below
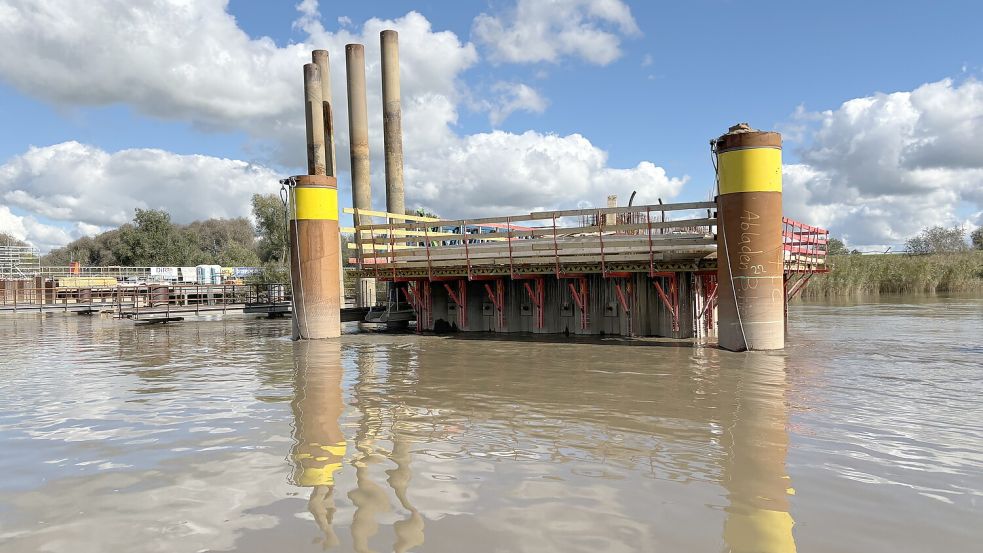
(536, 216)
(402, 257)
(459, 251)
(635, 242)
(387, 215)
(568, 260)
(572, 231)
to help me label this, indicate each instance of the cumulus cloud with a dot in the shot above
(87, 189)
(514, 97)
(506, 173)
(879, 168)
(535, 31)
(28, 229)
(189, 61)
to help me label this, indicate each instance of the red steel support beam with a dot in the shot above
(581, 299)
(461, 299)
(497, 298)
(538, 299)
(672, 300)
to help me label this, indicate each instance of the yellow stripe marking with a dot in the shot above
(751, 170)
(386, 214)
(315, 203)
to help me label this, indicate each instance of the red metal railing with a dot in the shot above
(805, 247)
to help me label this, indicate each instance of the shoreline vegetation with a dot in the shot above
(898, 274)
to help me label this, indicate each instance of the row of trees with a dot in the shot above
(939, 239)
(931, 240)
(153, 240)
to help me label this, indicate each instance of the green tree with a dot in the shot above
(835, 246)
(228, 242)
(422, 212)
(977, 238)
(152, 241)
(938, 239)
(271, 226)
(235, 254)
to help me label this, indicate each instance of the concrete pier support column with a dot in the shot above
(392, 122)
(749, 240)
(358, 138)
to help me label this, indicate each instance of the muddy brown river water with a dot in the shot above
(864, 435)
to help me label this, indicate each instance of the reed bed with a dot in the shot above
(899, 274)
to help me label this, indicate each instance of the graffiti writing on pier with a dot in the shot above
(749, 224)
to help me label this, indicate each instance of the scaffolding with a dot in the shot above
(19, 262)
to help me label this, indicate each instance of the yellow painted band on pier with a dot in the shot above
(750, 170)
(315, 203)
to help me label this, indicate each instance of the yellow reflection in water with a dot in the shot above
(755, 446)
(319, 443)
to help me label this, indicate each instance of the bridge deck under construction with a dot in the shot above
(637, 271)
(649, 239)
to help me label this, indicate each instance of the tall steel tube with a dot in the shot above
(315, 120)
(750, 256)
(358, 138)
(392, 122)
(313, 230)
(321, 59)
(358, 128)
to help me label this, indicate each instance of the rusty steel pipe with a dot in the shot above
(392, 122)
(321, 60)
(358, 129)
(358, 138)
(315, 120)
(750, 266)
(314, 251)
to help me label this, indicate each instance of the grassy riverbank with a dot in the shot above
(899, 274)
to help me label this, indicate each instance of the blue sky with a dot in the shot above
(645, 85)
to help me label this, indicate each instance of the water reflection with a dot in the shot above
(215, 436)
(319, 443)
(755, 445)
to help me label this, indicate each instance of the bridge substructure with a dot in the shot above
(646, 270)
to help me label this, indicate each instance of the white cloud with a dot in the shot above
(506, 173)
(879, 168)
(535, 31)
(647, 60)
(514, 97)
(188, 61)
(32, 231)
(89, 189)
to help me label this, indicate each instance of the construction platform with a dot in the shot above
(637, 271)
